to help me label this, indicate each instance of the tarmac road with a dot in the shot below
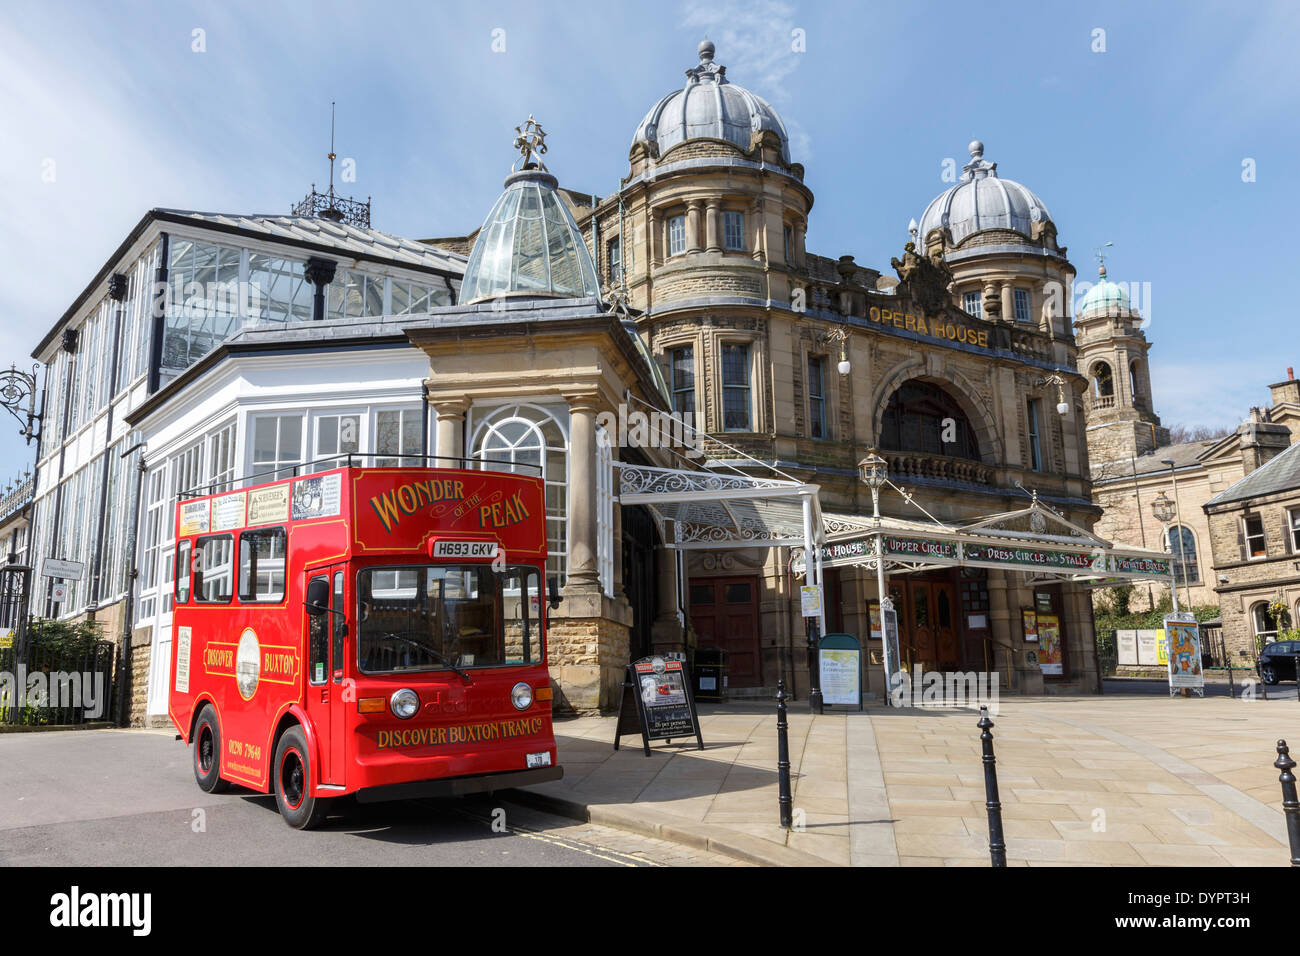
(128, 798)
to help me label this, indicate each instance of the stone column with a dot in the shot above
(1003, 621)
(1008, 302)
(450, 441)
(800, 236)
(584, 573)
(666, 633)
(694, 230)
(653, 239)
(713, 226)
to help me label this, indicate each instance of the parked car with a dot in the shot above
(1277, 661)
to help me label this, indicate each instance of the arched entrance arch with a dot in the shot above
(986, 438)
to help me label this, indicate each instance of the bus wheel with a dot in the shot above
(299, 808)
(207, 752)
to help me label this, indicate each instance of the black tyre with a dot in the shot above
(292, 781)
(207, 752)
(1268, 674)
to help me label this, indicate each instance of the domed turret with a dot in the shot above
(984, 201)
(529, 244)
(709, 107)
(1105, 298)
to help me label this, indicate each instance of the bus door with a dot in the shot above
(324, 699)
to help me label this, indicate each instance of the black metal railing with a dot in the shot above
(65, 684)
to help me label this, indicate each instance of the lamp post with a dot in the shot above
(874, 471)
(1178, 512)
(1162, 509)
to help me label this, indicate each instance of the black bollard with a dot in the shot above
(783, 758)
(997, 846)
(1290, 805)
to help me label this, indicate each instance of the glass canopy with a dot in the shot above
(529, 245)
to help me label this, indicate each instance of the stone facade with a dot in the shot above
(1250, 574)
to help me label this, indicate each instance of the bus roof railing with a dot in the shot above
(349, 460)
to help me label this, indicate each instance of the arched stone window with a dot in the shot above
(1103, 380)
(1264, 625)
(513, 437)
(923, 417)
(1181, 543)
(1134, 380)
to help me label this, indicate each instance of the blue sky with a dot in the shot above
(1141, 145)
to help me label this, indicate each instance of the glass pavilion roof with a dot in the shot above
(529, 245)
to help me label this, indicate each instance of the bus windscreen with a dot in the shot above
(446, 616)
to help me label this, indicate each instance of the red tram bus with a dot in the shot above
(376, 631)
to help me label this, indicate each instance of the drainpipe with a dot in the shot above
(158, 311)
(424, 421)
(124, 685)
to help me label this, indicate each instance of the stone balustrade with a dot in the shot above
(910, 464)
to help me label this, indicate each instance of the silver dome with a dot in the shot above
(709, 107)
(983, 201)
(529, 245)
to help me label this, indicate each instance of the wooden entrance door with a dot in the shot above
(724, 613)
(929, 616)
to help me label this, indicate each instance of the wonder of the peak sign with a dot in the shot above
(983, 553)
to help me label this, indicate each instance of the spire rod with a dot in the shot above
(331, 152)
(1100, 253)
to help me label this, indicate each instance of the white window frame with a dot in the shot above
(1293, 525)
(1246, 536)
(336, 458)
(676, 235)
(1019, 296)
(402, 411)
(270, 471)
(977, 298)
(1179, 558)
(723, 387)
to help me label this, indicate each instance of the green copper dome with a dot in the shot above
(529, 246)
(1104, 298)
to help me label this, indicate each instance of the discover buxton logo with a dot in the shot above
(76, 909)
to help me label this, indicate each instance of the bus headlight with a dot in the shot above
(521, 695)
(404, 703)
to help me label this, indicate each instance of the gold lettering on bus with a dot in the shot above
(409, 498)
(458, 734)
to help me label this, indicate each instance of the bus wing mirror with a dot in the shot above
(318, 596)
(553, 592)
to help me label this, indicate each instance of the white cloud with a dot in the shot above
(755, 41)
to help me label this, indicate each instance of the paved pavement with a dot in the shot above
(1135, 781)
(128, 798)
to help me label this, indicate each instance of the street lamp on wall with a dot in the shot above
(1062, 406)
(841, 335)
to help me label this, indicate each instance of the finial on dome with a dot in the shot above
(706, 49)
(531, 143)
(976, 149)
(1100, 253)
(706, 69)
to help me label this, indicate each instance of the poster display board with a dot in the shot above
(1148, 646)
(1050, 658)
(1029, 624)
(658, 703)
(890, 620)
(840, 666)
(1126, 647)
(874, 610)
(1183, 652)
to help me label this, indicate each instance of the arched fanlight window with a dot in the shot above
(1103, 381)
(1181, 543)
(923, 417)
(522, 439)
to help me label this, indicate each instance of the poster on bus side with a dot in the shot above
(1183, 644)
